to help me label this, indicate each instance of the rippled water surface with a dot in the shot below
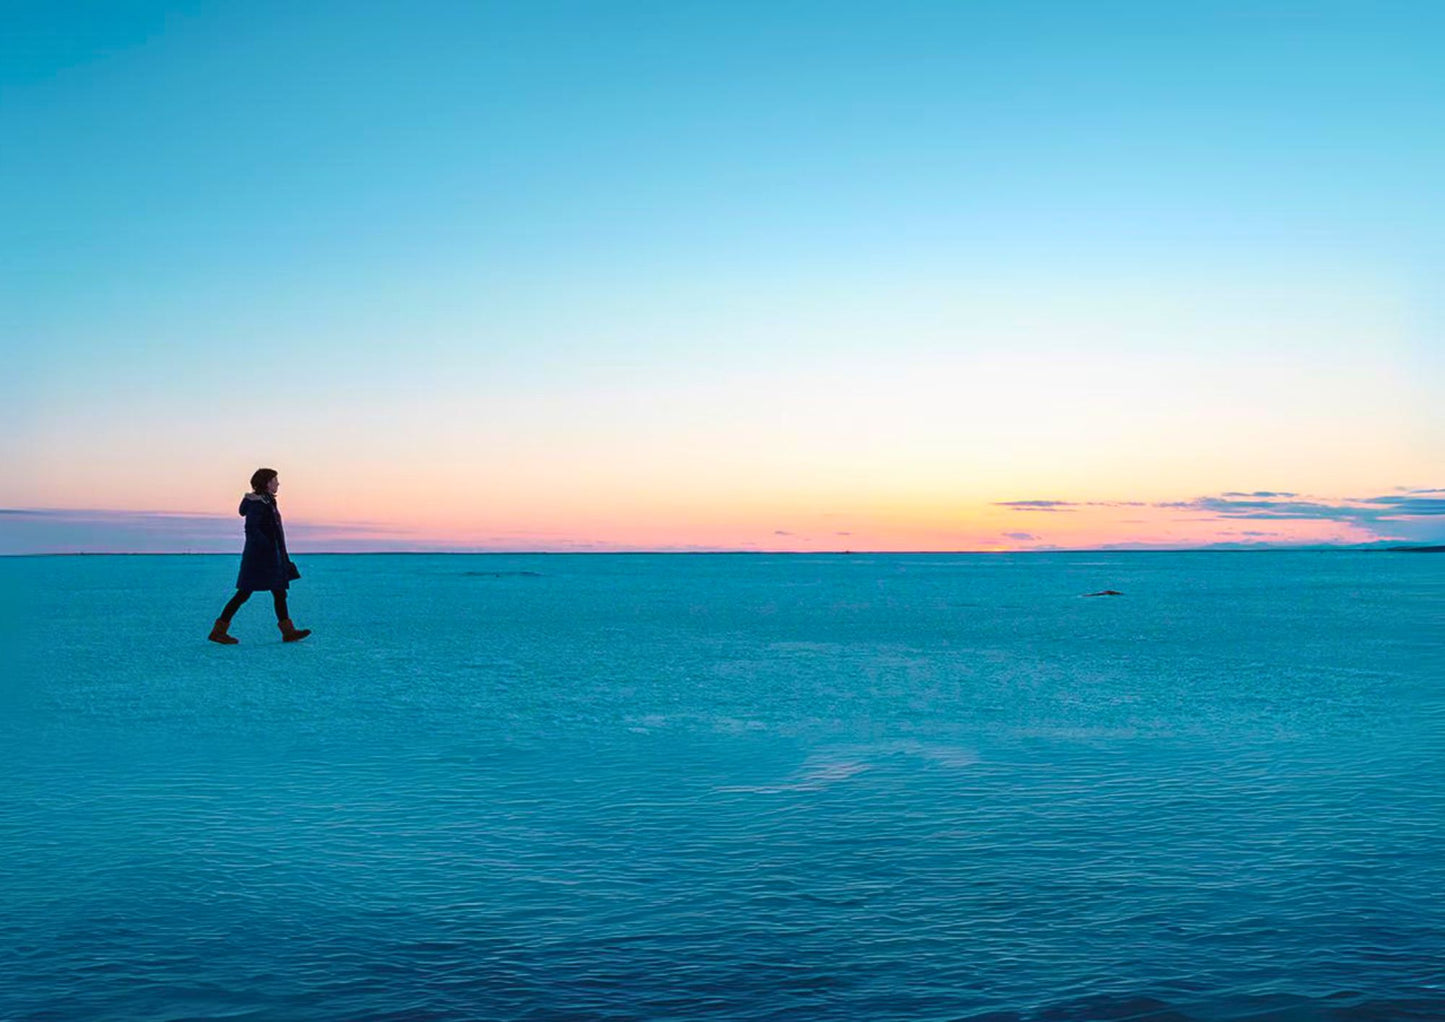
(728, 787)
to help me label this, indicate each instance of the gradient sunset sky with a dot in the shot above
(968, 275)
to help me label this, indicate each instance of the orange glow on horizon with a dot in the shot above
(978, 527)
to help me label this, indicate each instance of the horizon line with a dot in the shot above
(1217, 549)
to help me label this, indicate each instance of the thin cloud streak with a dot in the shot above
(65, 530)
(1359, 510)
(30, 531)
(1065, 505)
(1409, 516)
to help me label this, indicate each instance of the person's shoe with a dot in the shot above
(289, 632)
(218, 633)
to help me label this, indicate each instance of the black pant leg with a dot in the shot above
(234, 604)
(279, 597)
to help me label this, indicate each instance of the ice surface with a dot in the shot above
(721, 786)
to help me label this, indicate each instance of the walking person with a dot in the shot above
(264, 561)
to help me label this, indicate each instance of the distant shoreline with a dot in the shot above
(758, 553)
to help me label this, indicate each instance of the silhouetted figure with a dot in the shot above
(264, 561)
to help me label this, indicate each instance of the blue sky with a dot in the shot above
(706, 272)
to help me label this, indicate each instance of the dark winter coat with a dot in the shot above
(264, 561)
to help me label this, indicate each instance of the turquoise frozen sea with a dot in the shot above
(728, 787)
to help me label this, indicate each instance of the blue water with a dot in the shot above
(728, 787)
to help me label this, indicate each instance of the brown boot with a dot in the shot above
(218, 633)
(289, 632)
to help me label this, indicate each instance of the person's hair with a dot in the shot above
(261, 477)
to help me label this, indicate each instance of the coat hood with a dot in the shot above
(249, 499)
